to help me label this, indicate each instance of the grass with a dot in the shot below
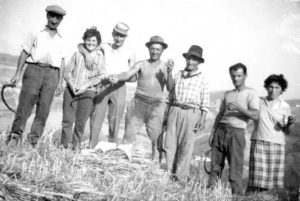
(51, 173)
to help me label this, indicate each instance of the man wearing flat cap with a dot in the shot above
(189, 104)
(147, 106)
(119, 57)
(42, 52)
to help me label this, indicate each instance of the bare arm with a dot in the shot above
(125, 76)
(86, 55)
(21, 63)
(60, 78)
(250, 113)
(290, 125)
(201, 123)
(170, 81)
(131, 62)
(61, 71)
(133, 78)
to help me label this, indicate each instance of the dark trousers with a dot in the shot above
(38, 88)
(228, 142)
(76, 109)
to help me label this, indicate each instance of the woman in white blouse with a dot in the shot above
(267, 152)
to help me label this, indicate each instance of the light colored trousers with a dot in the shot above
(179, 140)
(142, 111)
(112, 101)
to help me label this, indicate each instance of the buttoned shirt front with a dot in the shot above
(44, 47)
(77, 74)
(191, 90)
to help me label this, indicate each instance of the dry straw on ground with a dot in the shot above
(52, 173)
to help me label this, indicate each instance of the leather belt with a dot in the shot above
(184, 106)
(45, 66)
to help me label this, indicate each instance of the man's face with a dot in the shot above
(155, 51)
(91, 43)
(54, 20)
(118, 39)
(191, 63)
(238, 77)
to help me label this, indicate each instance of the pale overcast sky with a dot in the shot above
(263, 34)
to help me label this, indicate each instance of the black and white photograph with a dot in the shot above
(153, 100)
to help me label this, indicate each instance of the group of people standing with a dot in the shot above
(95, 79)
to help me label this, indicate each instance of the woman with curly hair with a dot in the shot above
(267, 152)
(82, 83)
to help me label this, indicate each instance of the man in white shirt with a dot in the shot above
(119, 57)
(43, 76)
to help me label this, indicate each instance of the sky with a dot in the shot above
(262, 34)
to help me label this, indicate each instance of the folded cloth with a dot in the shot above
(105, 146)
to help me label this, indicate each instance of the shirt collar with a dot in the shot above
(267, 102)
(47, 30)
(185, 74)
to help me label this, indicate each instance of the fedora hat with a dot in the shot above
(121, 28)
(56, 9)
(157, 40)
(196, 51)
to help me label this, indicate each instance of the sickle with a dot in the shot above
(205, 162)
(3, 99)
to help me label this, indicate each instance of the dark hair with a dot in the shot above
(277, 79)
(238, 66)
(92, 32)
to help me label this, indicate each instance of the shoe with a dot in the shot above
(14, 141)
(33, 140)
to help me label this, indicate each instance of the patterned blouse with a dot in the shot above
(77, 74)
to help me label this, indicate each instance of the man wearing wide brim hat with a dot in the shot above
(119, 57)
(189, 104)
(42, 52)
(196, 52)
(157, 40)
(147, 106)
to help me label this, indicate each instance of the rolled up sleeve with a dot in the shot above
(30, 42)
(204, 97)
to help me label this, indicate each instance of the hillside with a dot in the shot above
(8, 59)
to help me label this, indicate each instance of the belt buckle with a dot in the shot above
(185, 107)
(47, 66)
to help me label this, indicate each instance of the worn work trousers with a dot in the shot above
(143, 111)
(179, 141)
(112, 99)
(228, 142)
(38, 88)
(76, 109)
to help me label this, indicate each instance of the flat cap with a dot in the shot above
(121, 28)
(56, 9)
